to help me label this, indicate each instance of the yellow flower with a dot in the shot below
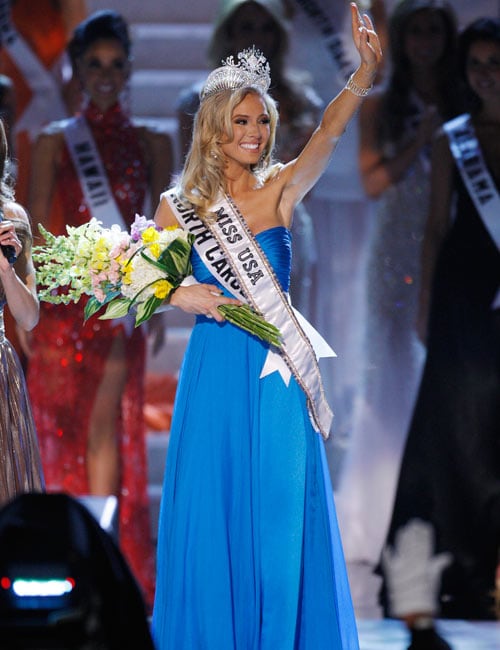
(162, 288)
(150, 235)
(155, 250)
(127, 275)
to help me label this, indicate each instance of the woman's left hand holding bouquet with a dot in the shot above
(201, 299)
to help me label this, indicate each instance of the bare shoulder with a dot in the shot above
(276, 179)
(51, 138)
(274, 173)
(54, 129)
(164, 215)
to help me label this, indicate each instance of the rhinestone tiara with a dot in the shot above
(252, 69)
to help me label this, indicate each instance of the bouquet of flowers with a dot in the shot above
(126, 272)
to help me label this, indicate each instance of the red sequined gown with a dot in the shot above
(69, 357)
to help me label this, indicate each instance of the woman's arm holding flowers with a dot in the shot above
(196, 298)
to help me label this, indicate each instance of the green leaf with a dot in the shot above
(175, 259)
(116, 309)
(146, 309)
(92, 307)
(112, 295)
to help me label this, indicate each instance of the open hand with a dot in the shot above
(365, 39)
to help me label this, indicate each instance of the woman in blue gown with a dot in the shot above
(249, 555)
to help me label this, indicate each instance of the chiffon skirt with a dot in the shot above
(249, 555)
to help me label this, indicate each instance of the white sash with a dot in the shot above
(91, 173)
(332, 39)
(46, 103)
(232, 255)
(468, 156)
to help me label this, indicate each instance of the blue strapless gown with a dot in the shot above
(249, 555)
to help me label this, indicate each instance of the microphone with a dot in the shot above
(8, 251)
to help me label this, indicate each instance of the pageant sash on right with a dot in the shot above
(230, 252)
(46, 103)
(468, 156)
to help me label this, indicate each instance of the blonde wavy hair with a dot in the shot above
(203, 174)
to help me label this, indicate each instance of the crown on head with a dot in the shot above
(252, 69)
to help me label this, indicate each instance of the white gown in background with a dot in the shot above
(392, 364)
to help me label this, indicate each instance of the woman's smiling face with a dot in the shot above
(251, 132)
(103, 70)
(483, 69)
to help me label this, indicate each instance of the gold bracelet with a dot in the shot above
(355, 89)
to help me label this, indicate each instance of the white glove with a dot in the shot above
(413, 573)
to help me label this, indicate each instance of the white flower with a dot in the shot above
(143, 274)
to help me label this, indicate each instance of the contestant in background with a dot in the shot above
(450, 473)
(87, 381)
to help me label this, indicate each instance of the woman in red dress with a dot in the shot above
(87, 381)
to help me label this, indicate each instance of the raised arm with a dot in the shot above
(301, 174)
